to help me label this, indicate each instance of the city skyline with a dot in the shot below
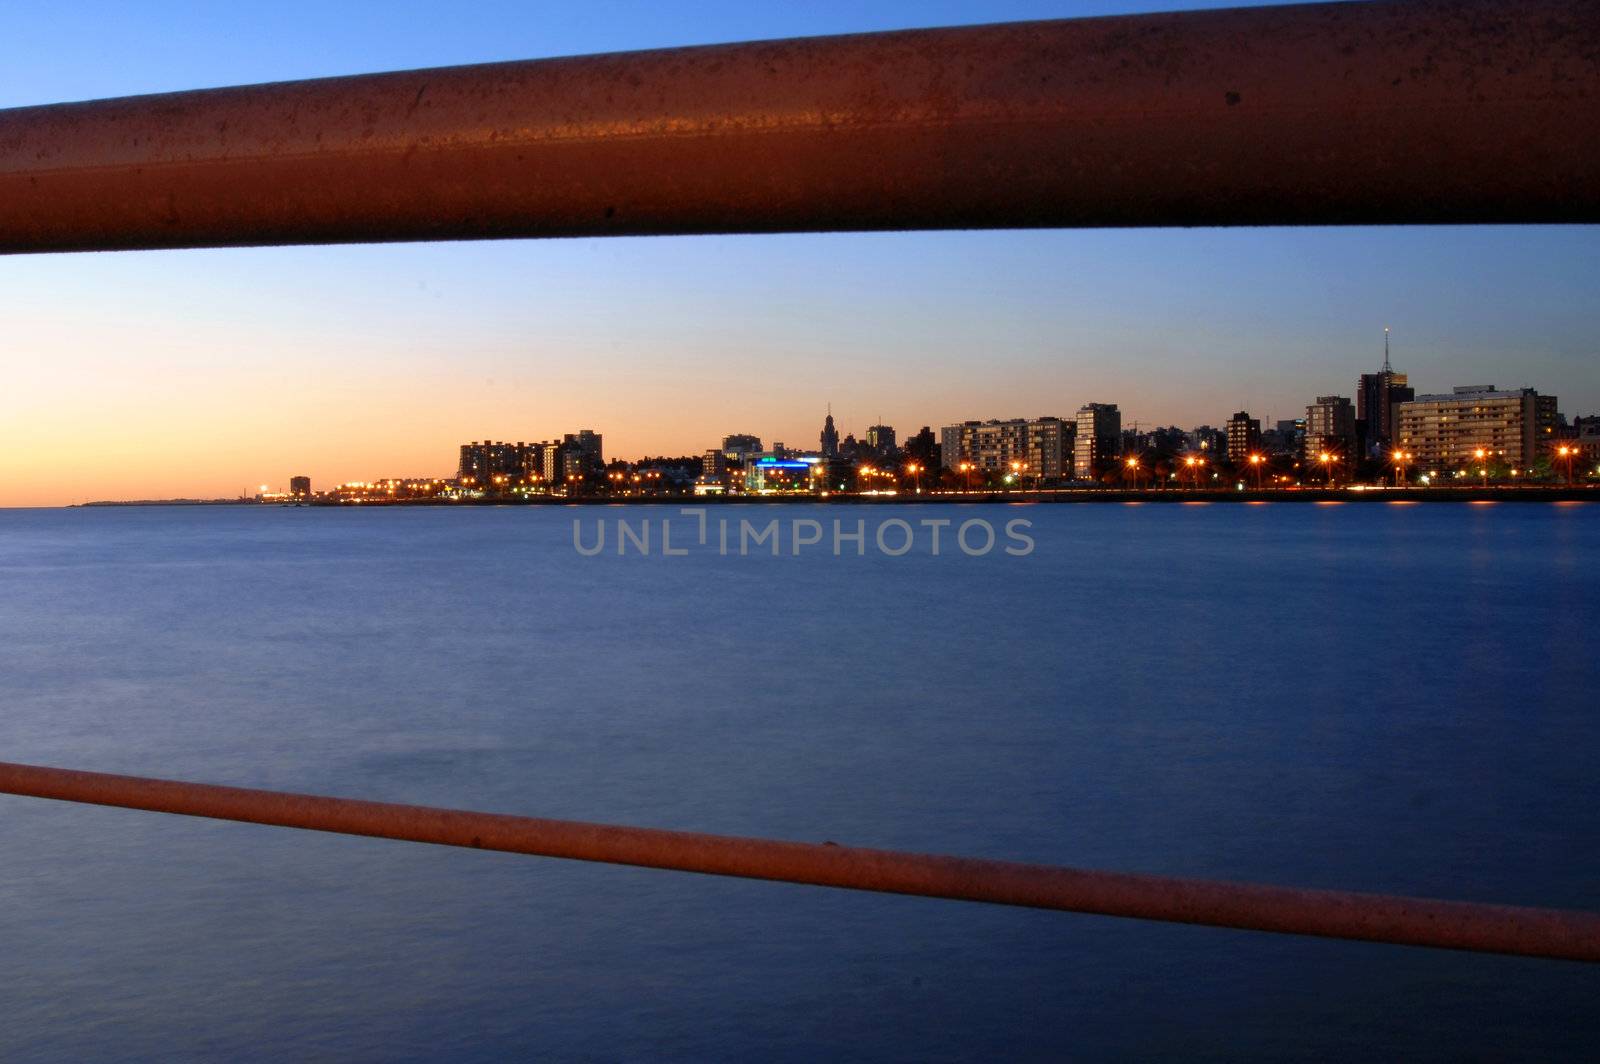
(1481, 428)
(203, 372)
(320, 468)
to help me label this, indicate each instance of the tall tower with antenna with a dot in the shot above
(830, 436)
(1378, 399)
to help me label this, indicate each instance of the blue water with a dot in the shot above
(1372, 697)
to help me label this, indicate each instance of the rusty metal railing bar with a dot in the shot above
(1393, 112)
(1530, 932)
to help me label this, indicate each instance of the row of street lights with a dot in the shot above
(1195, 464)
(966, 470)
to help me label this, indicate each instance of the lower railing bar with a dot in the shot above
(1569, 935)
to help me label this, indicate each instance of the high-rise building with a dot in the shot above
(880, 440)
(1287, 437)
(1244, 437)
(474, 458)
(714, 464)
(924, 448)
(481, 463)
(1378, 399)
(300, 487)
(1040, 447)
(1167, 440)
(1331, 426)
(549, 459)
(830, 437)
(951, 452)
(1098, 437)
(581, 455)
(1207, 441)
(740, 447)
(1445, 432)
(1546, 421)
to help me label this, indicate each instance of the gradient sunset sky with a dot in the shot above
(204, 373)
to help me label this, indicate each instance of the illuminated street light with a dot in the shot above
(1399, 458)
(1567, 454)
(1257, 461)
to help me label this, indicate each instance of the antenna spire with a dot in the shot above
(1386, 368)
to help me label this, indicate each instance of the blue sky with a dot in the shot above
(395, 354)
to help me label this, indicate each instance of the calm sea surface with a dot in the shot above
(1372, 697)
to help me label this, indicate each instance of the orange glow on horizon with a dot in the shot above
(207, 373)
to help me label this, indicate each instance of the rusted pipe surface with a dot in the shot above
(1404, 111)
(1333, 914)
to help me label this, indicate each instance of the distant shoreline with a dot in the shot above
(1064, 495)
(167, 502)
